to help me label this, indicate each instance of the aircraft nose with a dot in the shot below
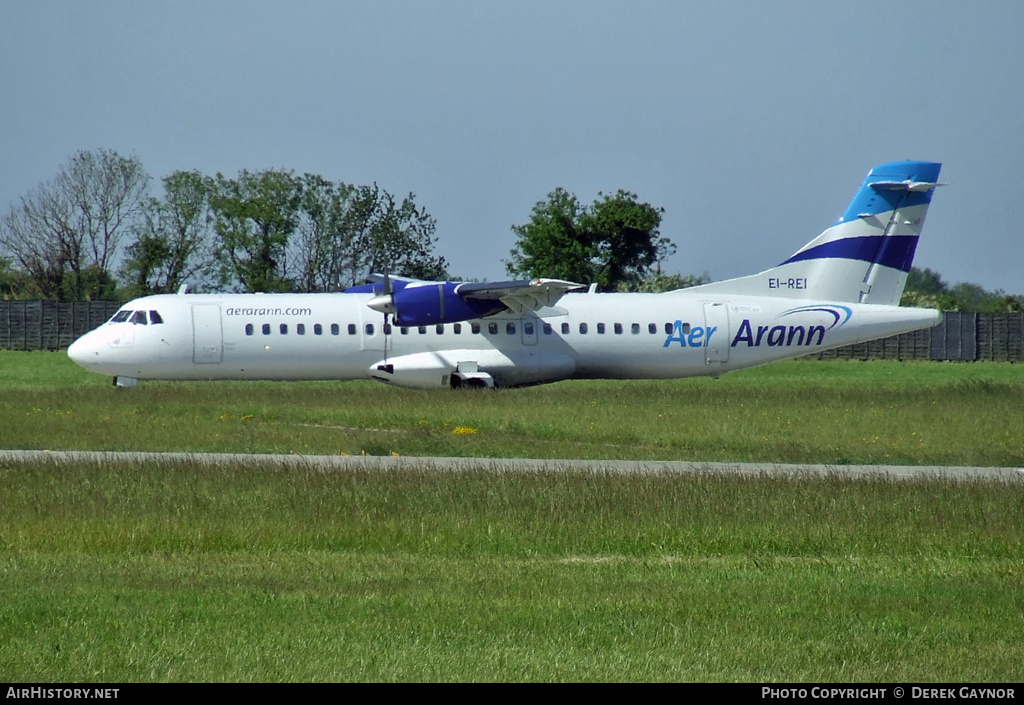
(82, 352)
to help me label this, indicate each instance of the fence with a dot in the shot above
(49, 325)
(999, 337)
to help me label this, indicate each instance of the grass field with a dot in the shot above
(805, 411)
(170, 572)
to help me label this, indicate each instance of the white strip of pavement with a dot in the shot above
(397, 463)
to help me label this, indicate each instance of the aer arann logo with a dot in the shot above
(792, 335)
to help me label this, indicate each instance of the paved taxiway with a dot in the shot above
(380, 463)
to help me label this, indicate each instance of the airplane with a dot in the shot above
(842, 287)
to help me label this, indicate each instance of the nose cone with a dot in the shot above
(384, 304)
(84, 353)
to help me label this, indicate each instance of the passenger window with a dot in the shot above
(685, 329)
(600, 328)
(528, 328)
(284, 329)
(510, 328)
(120, 316)
(154, 318)
(565, 329)
(652, 328)
(547, 329)
(387, 329)
(351, 328)
(139, 318)
(618, 329)
(474, 327)
(248, 329)
(635, 329)
(422, 330)
(335, 329)
(439, 329)
(318, 329)
(300, 328)
(369, 329)
(669, 328)
(583, 328)
(405, 330)
(492, 328)
(266, 329)
(457, 328)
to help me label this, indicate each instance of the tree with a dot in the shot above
(174, 238)
(323, 237)
(346, 232)
(13, 284)
(254, 216)
(926, 289)
(925, 281)
(612, 243)
(400, 239)
(66, 233)
(655, 282)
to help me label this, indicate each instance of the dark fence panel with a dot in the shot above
(998, 337)
(50, 325)
(956, 338)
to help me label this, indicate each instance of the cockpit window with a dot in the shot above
(154, 318)
(139, 318)
(120, 317)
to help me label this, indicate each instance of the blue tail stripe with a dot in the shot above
(897, 252)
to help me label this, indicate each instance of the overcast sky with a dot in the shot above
(750, 123)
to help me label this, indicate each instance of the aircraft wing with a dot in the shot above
(519, 296)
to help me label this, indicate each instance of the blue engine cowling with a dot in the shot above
(430, 304)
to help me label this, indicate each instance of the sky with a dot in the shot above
(751, 124)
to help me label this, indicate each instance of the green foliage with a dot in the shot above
(65, 235)
(926, 289)
(925, 281)
(13, 283)
(614, 242)
(323, 242)
(347, 232)
(91, 282)
(173, 240)
(278, 232)
(254, 215)
(655, 282)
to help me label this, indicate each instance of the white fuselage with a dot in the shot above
(612, 336)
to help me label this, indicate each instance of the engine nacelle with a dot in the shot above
(433, 303)
(473, 368)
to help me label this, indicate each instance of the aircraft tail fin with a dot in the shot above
(866, 255)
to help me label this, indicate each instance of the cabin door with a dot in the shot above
(207, 337)
(717, 346)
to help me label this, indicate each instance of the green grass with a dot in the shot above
(169, 572)
(836, 412)
(172, 572)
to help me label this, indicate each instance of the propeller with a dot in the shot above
(385, 303)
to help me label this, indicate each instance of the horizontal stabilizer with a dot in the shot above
(914, 186)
